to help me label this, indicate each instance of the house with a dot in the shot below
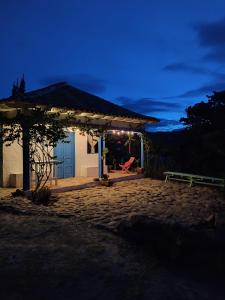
(80, 157)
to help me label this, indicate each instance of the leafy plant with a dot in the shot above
(104, 177)
(41, 196)
(37, 130)
(129, 141)
(105, 181)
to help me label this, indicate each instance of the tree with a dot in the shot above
(205, 134)
(37, 130)
(206, 116)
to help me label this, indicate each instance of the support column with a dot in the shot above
(100, 156)
(26, 159)
(1, 161)
(103, 142)
(104, 157)
(142, 152)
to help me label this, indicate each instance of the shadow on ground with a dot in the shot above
(56, 258)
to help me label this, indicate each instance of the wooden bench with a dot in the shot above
(198, 179)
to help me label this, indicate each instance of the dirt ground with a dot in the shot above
(46, 257)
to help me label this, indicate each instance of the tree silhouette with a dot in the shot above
(207, 116)
(205, 123)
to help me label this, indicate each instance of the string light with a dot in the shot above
(118, 132)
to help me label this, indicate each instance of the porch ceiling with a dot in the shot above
(10, 110)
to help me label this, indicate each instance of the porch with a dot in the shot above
(76, 166)
(78, 183)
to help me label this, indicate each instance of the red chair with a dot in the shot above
(126, 166)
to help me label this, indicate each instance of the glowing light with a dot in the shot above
(114, 132)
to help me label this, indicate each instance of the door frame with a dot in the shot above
(72, 142)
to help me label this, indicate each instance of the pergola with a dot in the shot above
(84, 107)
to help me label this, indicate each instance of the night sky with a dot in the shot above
(154, 57)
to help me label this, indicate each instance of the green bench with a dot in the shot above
(195, 179)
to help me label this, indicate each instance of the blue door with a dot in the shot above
(65, 153)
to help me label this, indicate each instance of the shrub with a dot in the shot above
(105, 181)
(42, 196)
(105, 177)
(156, 165)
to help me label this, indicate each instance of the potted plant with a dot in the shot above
(105, 181)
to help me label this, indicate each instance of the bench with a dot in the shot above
(198, 179)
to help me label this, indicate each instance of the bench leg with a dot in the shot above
(166, 178)
(191, 182)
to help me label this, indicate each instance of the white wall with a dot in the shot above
(82, 158)
(12, 162)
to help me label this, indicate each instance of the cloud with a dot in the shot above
(216, 55)
(203, 90)
(84, 82)
(147, 105)
(182, 67)
(165, 125)
(211, 35)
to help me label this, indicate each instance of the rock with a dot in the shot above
(18, 193)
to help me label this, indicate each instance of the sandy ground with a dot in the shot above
(57, 258)
(108, 206)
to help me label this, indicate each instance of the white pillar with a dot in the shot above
(100, 156)
(142, 151)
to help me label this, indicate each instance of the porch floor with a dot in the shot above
(76, 183)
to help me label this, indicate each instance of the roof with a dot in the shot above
(63, 95)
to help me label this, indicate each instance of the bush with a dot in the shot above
(42, 196)
(156, 165)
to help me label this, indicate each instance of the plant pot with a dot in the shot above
(105, 183)
(140, 170)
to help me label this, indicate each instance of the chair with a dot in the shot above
(126, 166)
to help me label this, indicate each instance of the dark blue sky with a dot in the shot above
(155, 57)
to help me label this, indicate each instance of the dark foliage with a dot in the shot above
(200, 148)
(42, 196)
(121, 148)
(206, 134)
